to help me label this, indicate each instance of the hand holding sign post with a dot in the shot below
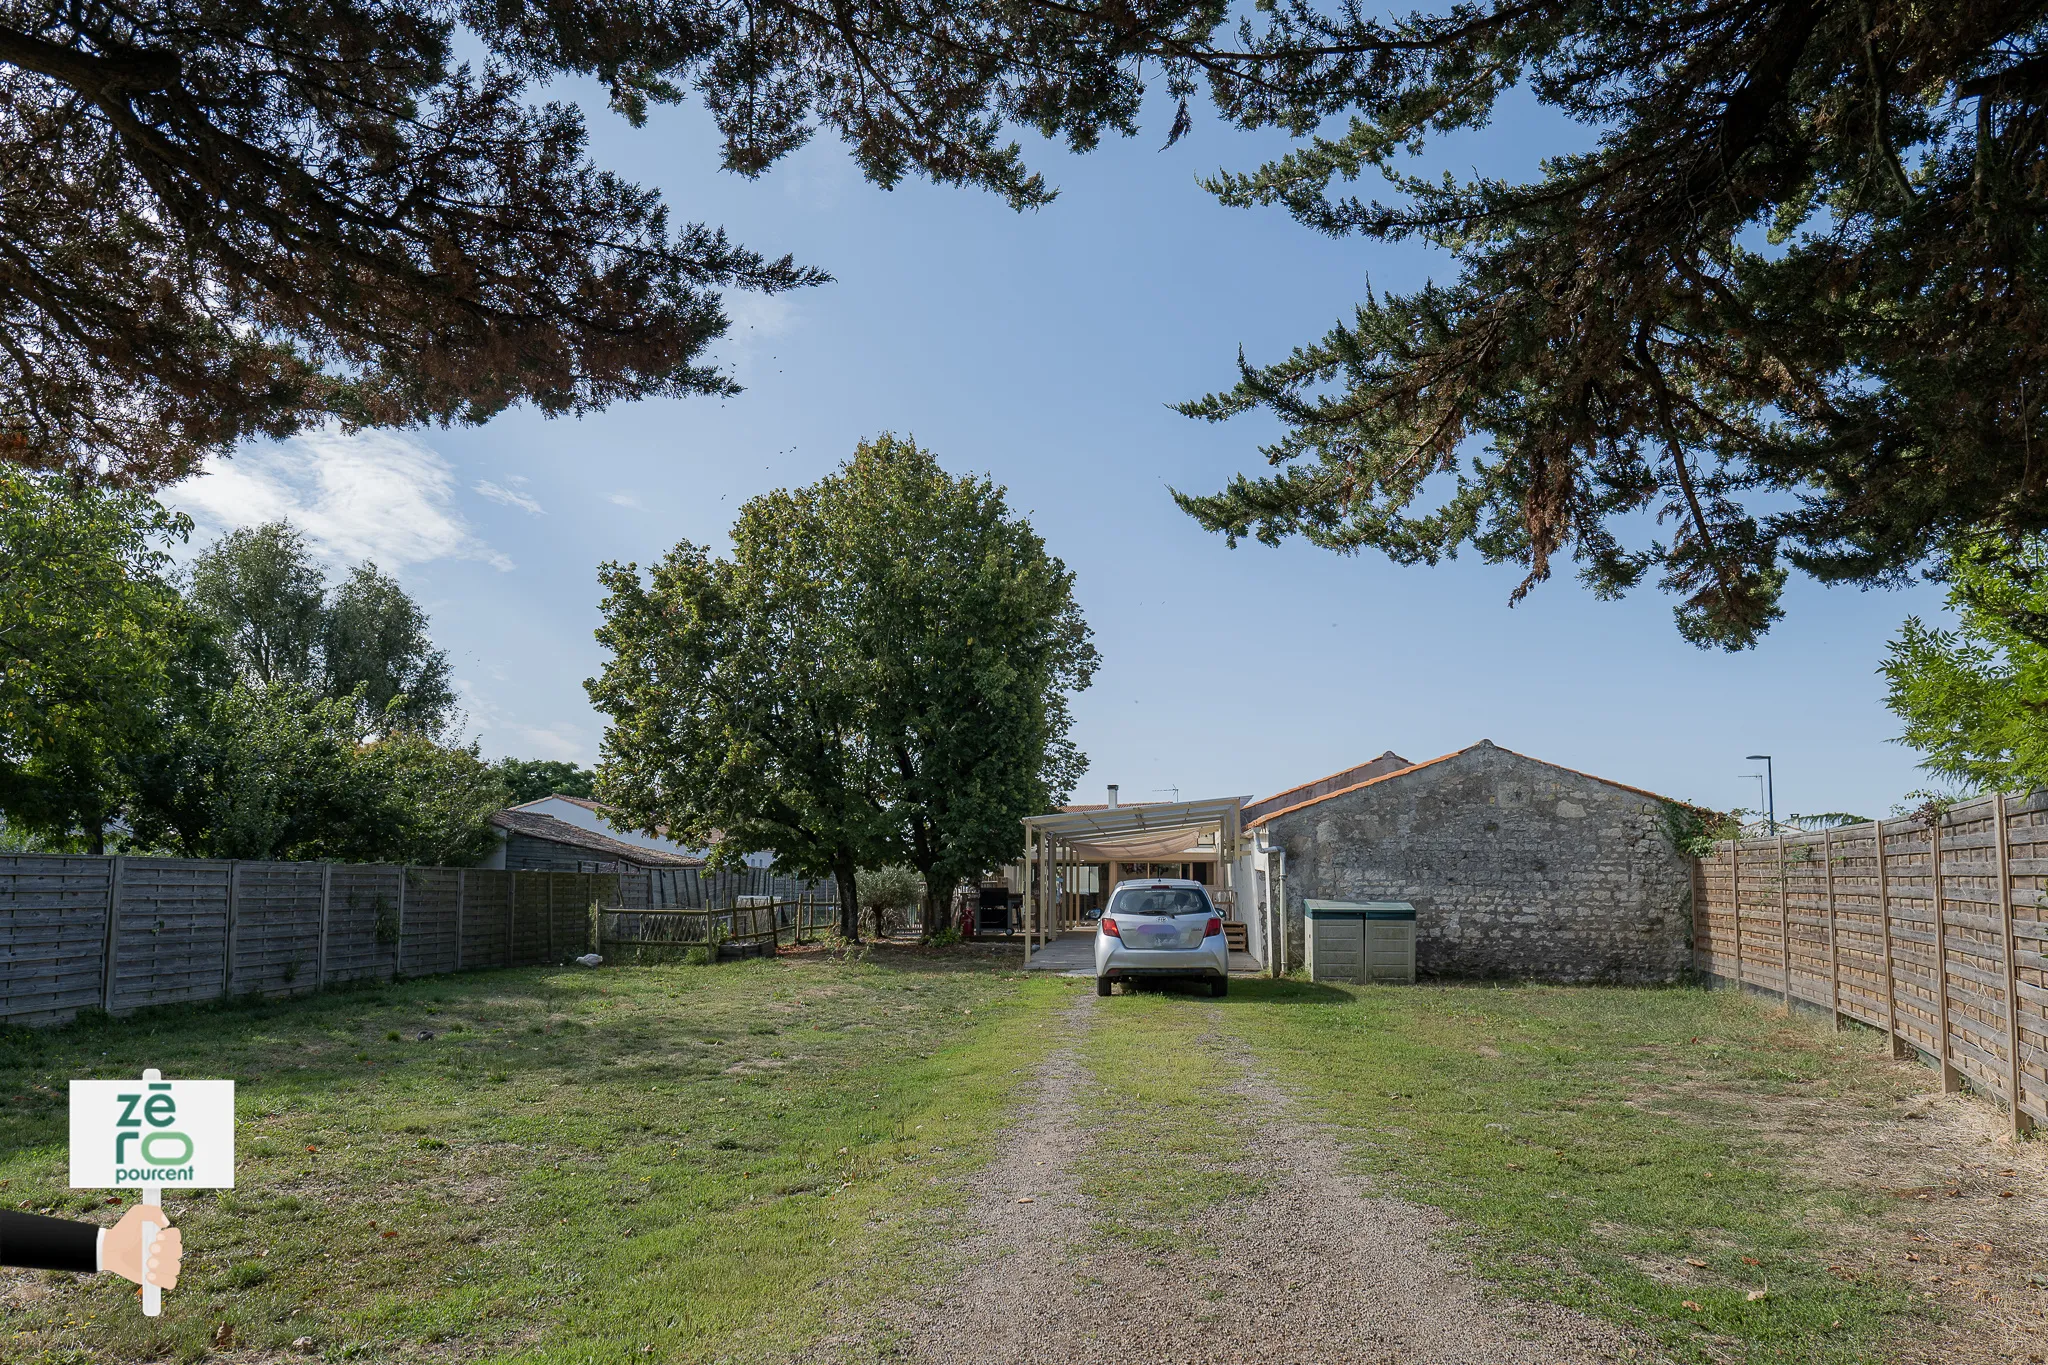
(149, 1135)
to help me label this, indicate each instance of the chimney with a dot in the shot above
(1112, 796)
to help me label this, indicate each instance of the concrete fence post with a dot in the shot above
(326, 905)
(398, 943)
(1735, 900)
(227, 966)
(1900, 1047)
(1784, 931)
(2015, 1076)
(1951, 1079)
(110, 958)
(1827, 853)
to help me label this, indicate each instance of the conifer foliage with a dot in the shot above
(228, 218)
(1791, 302)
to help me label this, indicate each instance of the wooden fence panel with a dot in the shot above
(191, 930)
(362, 922)
(1932, 927)
(427, 940)
(171, 933)
(486, 919)
(575, 893)
(530, 891)
(53, 932)
(277, 929)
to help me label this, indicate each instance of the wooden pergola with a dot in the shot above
(1164, 831)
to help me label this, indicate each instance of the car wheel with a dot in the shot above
(1219, 987)
(1102, 985)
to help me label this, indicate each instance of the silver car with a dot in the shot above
(1161, 929)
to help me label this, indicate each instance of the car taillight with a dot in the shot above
(1215, 927)
(1109, 927)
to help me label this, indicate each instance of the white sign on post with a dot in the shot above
(151, 1133)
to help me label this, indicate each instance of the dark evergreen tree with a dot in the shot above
(229, 218)
(1791, 305)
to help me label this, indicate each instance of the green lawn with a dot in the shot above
(689, 1164)
(671, 1163)
(1593, 1143)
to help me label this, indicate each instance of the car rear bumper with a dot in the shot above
(1119, 962)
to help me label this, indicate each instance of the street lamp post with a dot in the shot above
(1770, 790)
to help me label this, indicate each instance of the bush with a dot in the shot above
(698, 957)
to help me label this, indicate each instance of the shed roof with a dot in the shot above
(1445, 758)
(534, 825)
(1348, 777)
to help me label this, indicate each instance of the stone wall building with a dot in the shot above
(1516, 868)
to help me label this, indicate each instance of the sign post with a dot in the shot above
(148, 1135)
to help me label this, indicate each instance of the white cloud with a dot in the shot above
(503, 732)
(374, 495)
(511, 497)
(623, 499)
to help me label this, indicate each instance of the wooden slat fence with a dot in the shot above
(125, 933)
(762, 923)
(1933, 930)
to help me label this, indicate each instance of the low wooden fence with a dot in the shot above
(1933, 929)
(124, 933)
(693, 888)
(761, 926)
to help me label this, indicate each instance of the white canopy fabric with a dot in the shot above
(1167, 831)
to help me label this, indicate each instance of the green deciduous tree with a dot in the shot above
(972, 643)
(736, 709)
(530, 779)
(374, 641)
(1975, 699)
(90, 636)
(282, 771)
(266, 599)
(876, 675)
(1790, 304)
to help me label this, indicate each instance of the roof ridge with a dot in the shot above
(1440, 758)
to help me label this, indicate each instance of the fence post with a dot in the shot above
(511, 919)
(2022, 1122)
(1951, 1079)
(326, 901)
(1827, 853)
(461, 895)
(551, 918)
(1901, 1049)
(1784, 932)
(117, 867)
(1735, 900)
(398, 944)
(227, 966)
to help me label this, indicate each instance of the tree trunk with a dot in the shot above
(938, 905)
(849, 900)
(97, 843)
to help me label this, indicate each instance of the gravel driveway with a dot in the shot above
(1312, 1269)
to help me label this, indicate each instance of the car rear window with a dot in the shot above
(1158, 900)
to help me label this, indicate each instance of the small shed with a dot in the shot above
(1361, 942)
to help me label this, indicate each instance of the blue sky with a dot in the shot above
(1044, 349)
